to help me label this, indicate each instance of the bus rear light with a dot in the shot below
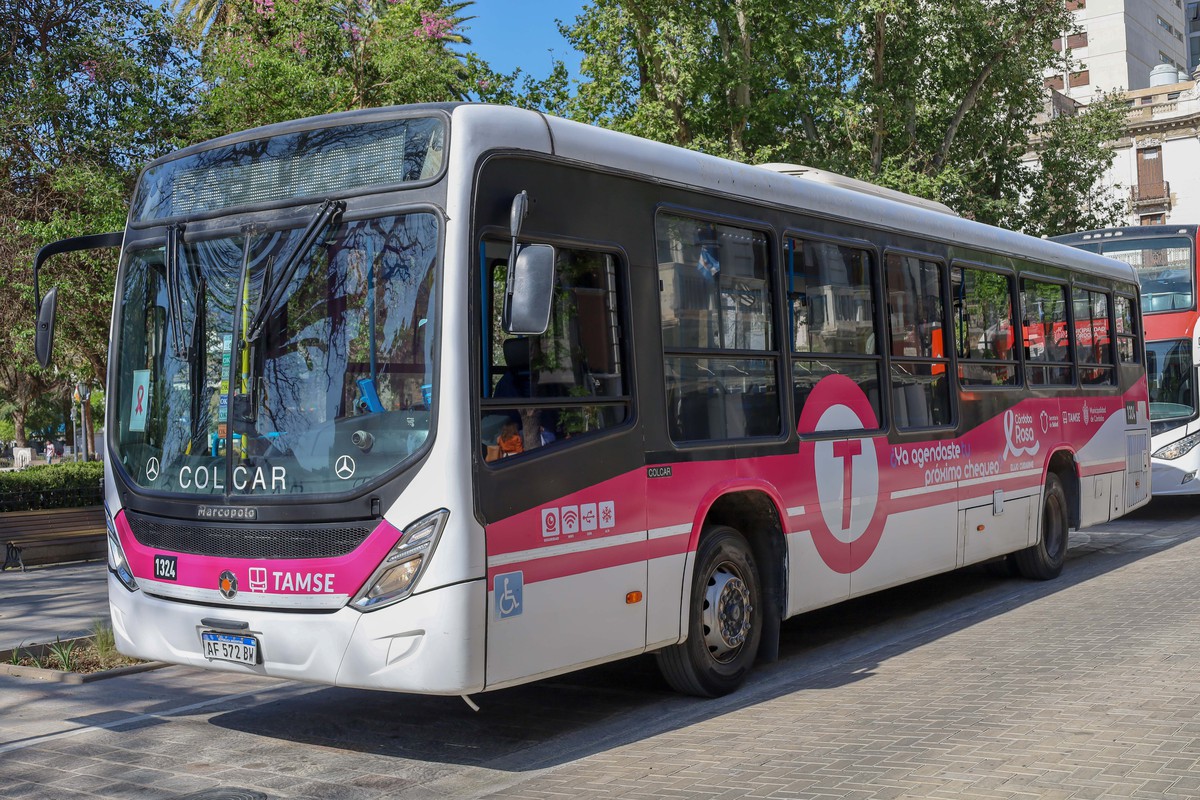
(117, 563)
(397, 575)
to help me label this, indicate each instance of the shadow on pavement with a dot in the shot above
(558, 720)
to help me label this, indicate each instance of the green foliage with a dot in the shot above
(62, 652)
(68, 485)
(104, 640)
(935, 99)
(89, 91)
(1064, 192)
(277, 60)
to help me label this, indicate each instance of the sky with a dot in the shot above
(521, 33)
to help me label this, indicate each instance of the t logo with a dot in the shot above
(846, 451)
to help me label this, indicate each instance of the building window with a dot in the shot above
(1055, 82)
(1152, 219)
(1080, 78)
(1076, 5)
(1077, 40)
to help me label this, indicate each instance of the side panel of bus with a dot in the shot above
(841, 487)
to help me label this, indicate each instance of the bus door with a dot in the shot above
(558, 478)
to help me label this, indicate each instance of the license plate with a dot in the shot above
(230, 647)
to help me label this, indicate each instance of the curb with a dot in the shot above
(62, 676)
(76, 678)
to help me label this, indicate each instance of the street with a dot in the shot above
(965, 685)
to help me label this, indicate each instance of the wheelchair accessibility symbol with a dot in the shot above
(508, 589)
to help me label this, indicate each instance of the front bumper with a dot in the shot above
(429, 643)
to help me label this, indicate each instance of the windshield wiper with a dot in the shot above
(327, 216)
(174, 298)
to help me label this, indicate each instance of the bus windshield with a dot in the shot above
(335, 390)
(1165, 269)
(1170, 376)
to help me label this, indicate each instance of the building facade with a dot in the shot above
(1157, 164)
(1120, 41)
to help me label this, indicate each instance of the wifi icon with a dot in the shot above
(570, 519)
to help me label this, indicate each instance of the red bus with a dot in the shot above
(1164, 257)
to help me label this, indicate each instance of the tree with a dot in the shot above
(1065, 190)
(275, 61)
(937, 99)
(89, 91)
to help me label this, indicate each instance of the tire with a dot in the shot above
(1044, 560)
(725, 619)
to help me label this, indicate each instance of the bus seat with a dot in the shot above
(900, 407)
(918, 407)
(515, 380)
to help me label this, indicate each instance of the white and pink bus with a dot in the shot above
(444, 399)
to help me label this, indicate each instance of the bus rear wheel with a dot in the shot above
(724, 620)
(1044, 560)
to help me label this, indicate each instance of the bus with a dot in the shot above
(1164, 258)
(448, 398)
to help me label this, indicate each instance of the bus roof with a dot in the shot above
(493, 126)
(1132, 231)
(587, 143)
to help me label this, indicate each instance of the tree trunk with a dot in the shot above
(18, 418)
(89, 435)
(877, 81)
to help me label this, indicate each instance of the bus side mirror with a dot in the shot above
(44, 338)
(530, 292)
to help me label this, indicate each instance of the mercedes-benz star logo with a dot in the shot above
(152, 469)
(344, 468)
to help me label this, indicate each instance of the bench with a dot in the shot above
(52, 536)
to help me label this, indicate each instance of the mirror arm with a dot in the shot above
(516, 218)
(95, 241)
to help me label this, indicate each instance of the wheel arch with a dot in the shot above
(754, 509)
(1063, 464)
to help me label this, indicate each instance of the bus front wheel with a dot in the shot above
(724, 620)
(1044, 560)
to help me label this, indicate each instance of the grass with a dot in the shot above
(96, 654)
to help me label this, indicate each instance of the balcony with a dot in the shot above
(1151, 194)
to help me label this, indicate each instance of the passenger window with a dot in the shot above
(983, 327)
(1044, 331)
(1093, 344)
(916, 331)
(721, 359)
(568, 383)
(1126, 329)
(831, 305)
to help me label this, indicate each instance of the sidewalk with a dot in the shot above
(53, 601)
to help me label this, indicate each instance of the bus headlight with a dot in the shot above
(397, 575)
(1180, 448)
(117, 563)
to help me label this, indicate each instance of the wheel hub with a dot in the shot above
(727, 613)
